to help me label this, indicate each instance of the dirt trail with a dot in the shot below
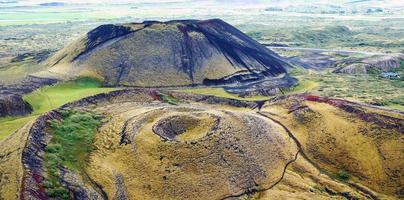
(303, 154)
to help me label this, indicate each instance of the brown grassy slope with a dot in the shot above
(212, 148)
(10, 163)
(216, 159)
(366, 143)
(304, 181)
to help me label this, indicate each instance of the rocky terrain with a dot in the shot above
(365, 65)
(200, 147)
(340, 61)
(11, 102)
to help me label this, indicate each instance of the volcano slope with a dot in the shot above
(155, 145)
(173, 53)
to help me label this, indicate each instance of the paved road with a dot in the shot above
(325, 50)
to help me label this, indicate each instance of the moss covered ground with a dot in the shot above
(69, 147)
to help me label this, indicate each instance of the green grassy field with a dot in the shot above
(362, 88)
(46, 15)
(17, 71)
(50, 97)
(220, 92)
(304, 86)
(367, 88)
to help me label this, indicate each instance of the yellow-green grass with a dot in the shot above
(54, 15)
(304, 86)
(9, 125)
(396, 106)
(51, 97)
(220, 92)
(17, 71)
(366, 88)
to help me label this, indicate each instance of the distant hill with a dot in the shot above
(53, 4)
(375, 64)
(173, 53)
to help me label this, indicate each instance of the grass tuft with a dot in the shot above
(343, 176)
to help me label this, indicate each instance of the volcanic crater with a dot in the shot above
(204, 144)
(177, 53)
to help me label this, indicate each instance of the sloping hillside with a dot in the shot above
(374, 64)
(350, 141)
(140, 144)
(169, 53)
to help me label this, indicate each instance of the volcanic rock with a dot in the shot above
(173, 53)
(362, 66)
(12, 105)
(11, 101)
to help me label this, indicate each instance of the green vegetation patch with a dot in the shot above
(51, 97)
(220, 92)
(16, 71)
(367, 88)
(303, 86)
(343, 176)
(72, 141)
(329, 34)
(319, 188)
(400, 70)
(9, 125)
(163, 97)
(169, 99)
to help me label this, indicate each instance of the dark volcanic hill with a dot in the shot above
(172, 53)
